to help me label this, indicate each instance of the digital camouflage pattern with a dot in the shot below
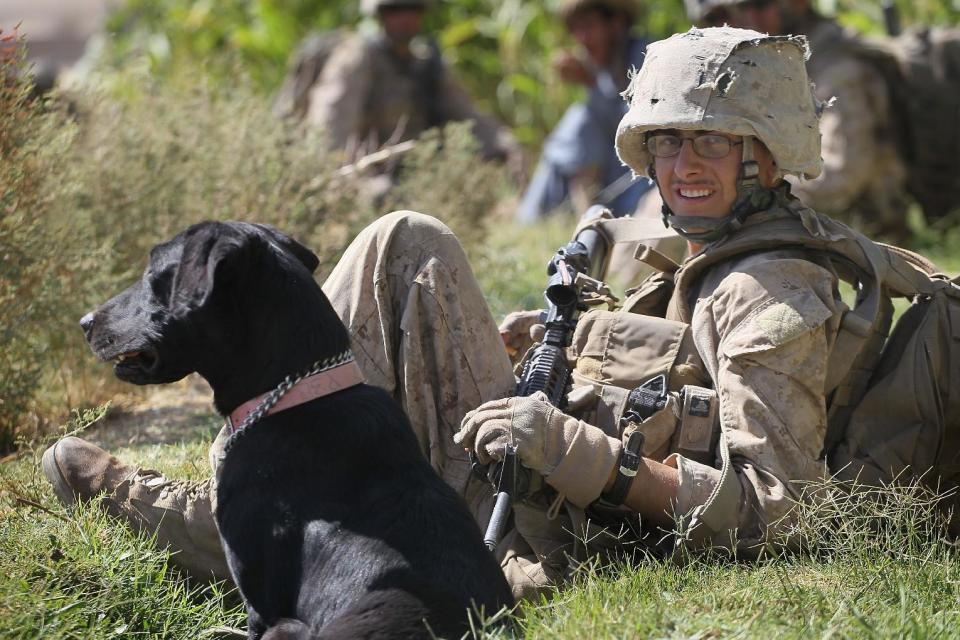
(765, 325)
(864, 178)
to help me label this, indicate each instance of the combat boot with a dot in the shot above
(178, 513)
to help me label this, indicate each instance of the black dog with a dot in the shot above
(333, 523)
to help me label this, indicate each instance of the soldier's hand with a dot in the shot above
(572, 69)
(519, 330)
(525, 422)
(575, 458)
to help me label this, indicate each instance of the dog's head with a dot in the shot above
(207, 301)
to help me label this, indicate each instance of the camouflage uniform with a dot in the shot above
(421, 330)
(864, 177)
(367, 95)
(765, 325)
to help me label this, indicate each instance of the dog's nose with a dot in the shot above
(86, 323)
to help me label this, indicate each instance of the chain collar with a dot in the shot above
(271, 399)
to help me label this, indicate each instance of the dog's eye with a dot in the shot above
(161, 285)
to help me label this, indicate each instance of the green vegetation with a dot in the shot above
(85, 196)
(882, 569)
(181, 131)
(500, 49)
(81, 575)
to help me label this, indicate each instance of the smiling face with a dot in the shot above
(693, 185)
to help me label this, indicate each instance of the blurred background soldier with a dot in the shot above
(864, 177)
(578, 162)
(376, 90)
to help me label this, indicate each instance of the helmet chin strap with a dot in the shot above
(751, 197)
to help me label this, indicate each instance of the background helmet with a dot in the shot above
(371, 7)
(570, 7)
(735, 81)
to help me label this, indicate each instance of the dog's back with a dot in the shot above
(332, 517)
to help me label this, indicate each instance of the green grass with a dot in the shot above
(82, 575)
(79, 575)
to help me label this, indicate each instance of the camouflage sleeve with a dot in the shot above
(765, 333)
(851, 133)
(336, 105)
(455, 106)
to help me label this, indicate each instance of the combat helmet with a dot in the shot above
(371, 7)
(734, 81)
(570, 7)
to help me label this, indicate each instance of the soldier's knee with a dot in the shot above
(412, 233)
(420, 224)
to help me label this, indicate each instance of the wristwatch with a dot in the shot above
(629, 463)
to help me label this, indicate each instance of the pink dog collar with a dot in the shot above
(310, 388)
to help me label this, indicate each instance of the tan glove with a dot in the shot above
(575, 458)
(519, 330)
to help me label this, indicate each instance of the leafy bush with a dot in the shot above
(40, 247)
(84, 199)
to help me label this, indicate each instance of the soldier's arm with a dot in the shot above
(455, 106)
(338, 100)
(771, 327)
(653, 491)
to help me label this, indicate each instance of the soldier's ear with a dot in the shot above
(769, 171)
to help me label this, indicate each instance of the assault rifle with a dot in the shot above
(574, 271)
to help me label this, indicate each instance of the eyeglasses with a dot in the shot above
(705, 145)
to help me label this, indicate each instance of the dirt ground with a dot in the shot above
(165, 414)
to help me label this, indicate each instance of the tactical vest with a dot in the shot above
(893, 404)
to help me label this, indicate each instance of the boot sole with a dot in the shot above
(51, 471)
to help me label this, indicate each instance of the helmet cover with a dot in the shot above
(734, 81)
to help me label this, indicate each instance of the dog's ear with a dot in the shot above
(209, 251)
(303, 254)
